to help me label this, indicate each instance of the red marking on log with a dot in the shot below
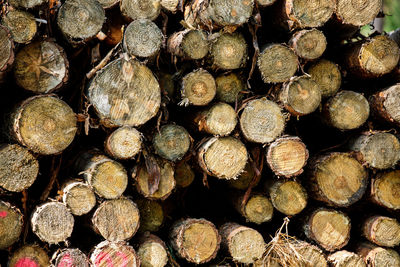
(104, 256)
(66, 261)
(3, 214)
(124, 259)
(121, 259)
(26, 262)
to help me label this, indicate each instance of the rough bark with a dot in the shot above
(11, 224)
(21, 24)
(78, 197)
(327, 75)
(6, 50)
(124, 143)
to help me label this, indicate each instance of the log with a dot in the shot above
(376, 256)
(346, 110)
(124, 143)
(21, 24)
(151, 215)
(143, 38)
(6, 50)
(189, 44)
(167, 84)
(329, 228)
(384, 104)
(337, 179)
(116, 220)
(134, 97)
(344, 258)
(382, 231)
(109, 253)
(287, 156)
(244, 179)
(308, 44)
(373, 57)
(222, 157)
(229, 51)
(262, 121)
(52, 222)
(379, 150)
(198, 88)
(166, 181)
(69, 257)
(18, 167)
(288, 197)
(108, 4)
(258, 208)
(73, 14)
(41, 67)
(385, 189)
(277, 63)
(357, 13)
(107, 177)
(11, 224)
(230, 87)
(196, 240)
(184, 174)
(29, 255)
(327, 75)
(312, 256)
(264, 3)
(27, 4)
(219, 119)
(244, 244)
(170, 5)
(300, 96)
(78, 197)
(172, 142)
(44, 124)
(140, 9)
(152, 251)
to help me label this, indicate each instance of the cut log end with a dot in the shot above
(311, 255)
(198, 87)
(18, 168)
(190, 44)
(172, 142)
(44, 124)
(196, 240)
(107, 4)
(288, 197)
(229, 51)
(151, 215)
(378, 256)
(338, 179)
(6, 49)
(347, 110)
(244, 179)
(41, 67)
(265, 3)
(75, 13)
(230, 13)
(70, 257)
(287, 156)
(143, 38)
(52, 222)
(140, 9)
(170, 5)
(123, 143)
(78, 197)
(277, 63)
(152, 251)
(357, 13)
(138, 98)
(11, 223)
(229, 87)
(184, 174)
(258, 208)
(329, 228)
(29, 255)
(244, 244)
(224, 158)
(384, 103)
(382, 231)
(27, 4)
(166, 184)
(117, 219)
(385, 189)
(327, 75)
(220, 119)
(21, 24)
(262, 121)
(113, 254)
(308, 44)
(345, 258)
(309, 13)
(300, 96)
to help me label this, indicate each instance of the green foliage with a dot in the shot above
(392, 18)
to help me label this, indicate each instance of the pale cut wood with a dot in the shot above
(385, 104)
(385, 189)
(244, 244)
(258, 208)
(70, 257)
(312, 256)
(52, 222)
(21, 24)
(11, 224)
(196, 240)
(108, 253)
(170, 5)
(307, 13)
(184, 174)
(190, 44)
(230, 87)
(152, 251)
(327, 75)
(78, 197)
(41, 67)
(6, 50)
(125, 93)
(344, 258)
(264, 3)
(277, 63)
(382, 231)
(18, 167)
(377, 256)
(337, 179)
(172, 142)
(229, 51)
(108, 4)
(123, 143)
(308, 44)
(288, 197)
(223, 157)
(140, 9)
(262, 121)
(357, 13)
(116, 219)
(198, 88)
(151, 215)
(44, 124)
(29, 255)
(27, 4)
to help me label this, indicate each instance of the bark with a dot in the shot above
(6, 51)
(385, 104)
(385, 189)
(382, 231)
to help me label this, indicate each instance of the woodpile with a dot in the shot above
(204, 132)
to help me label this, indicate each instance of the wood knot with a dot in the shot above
(340, 182)
(49, 125)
